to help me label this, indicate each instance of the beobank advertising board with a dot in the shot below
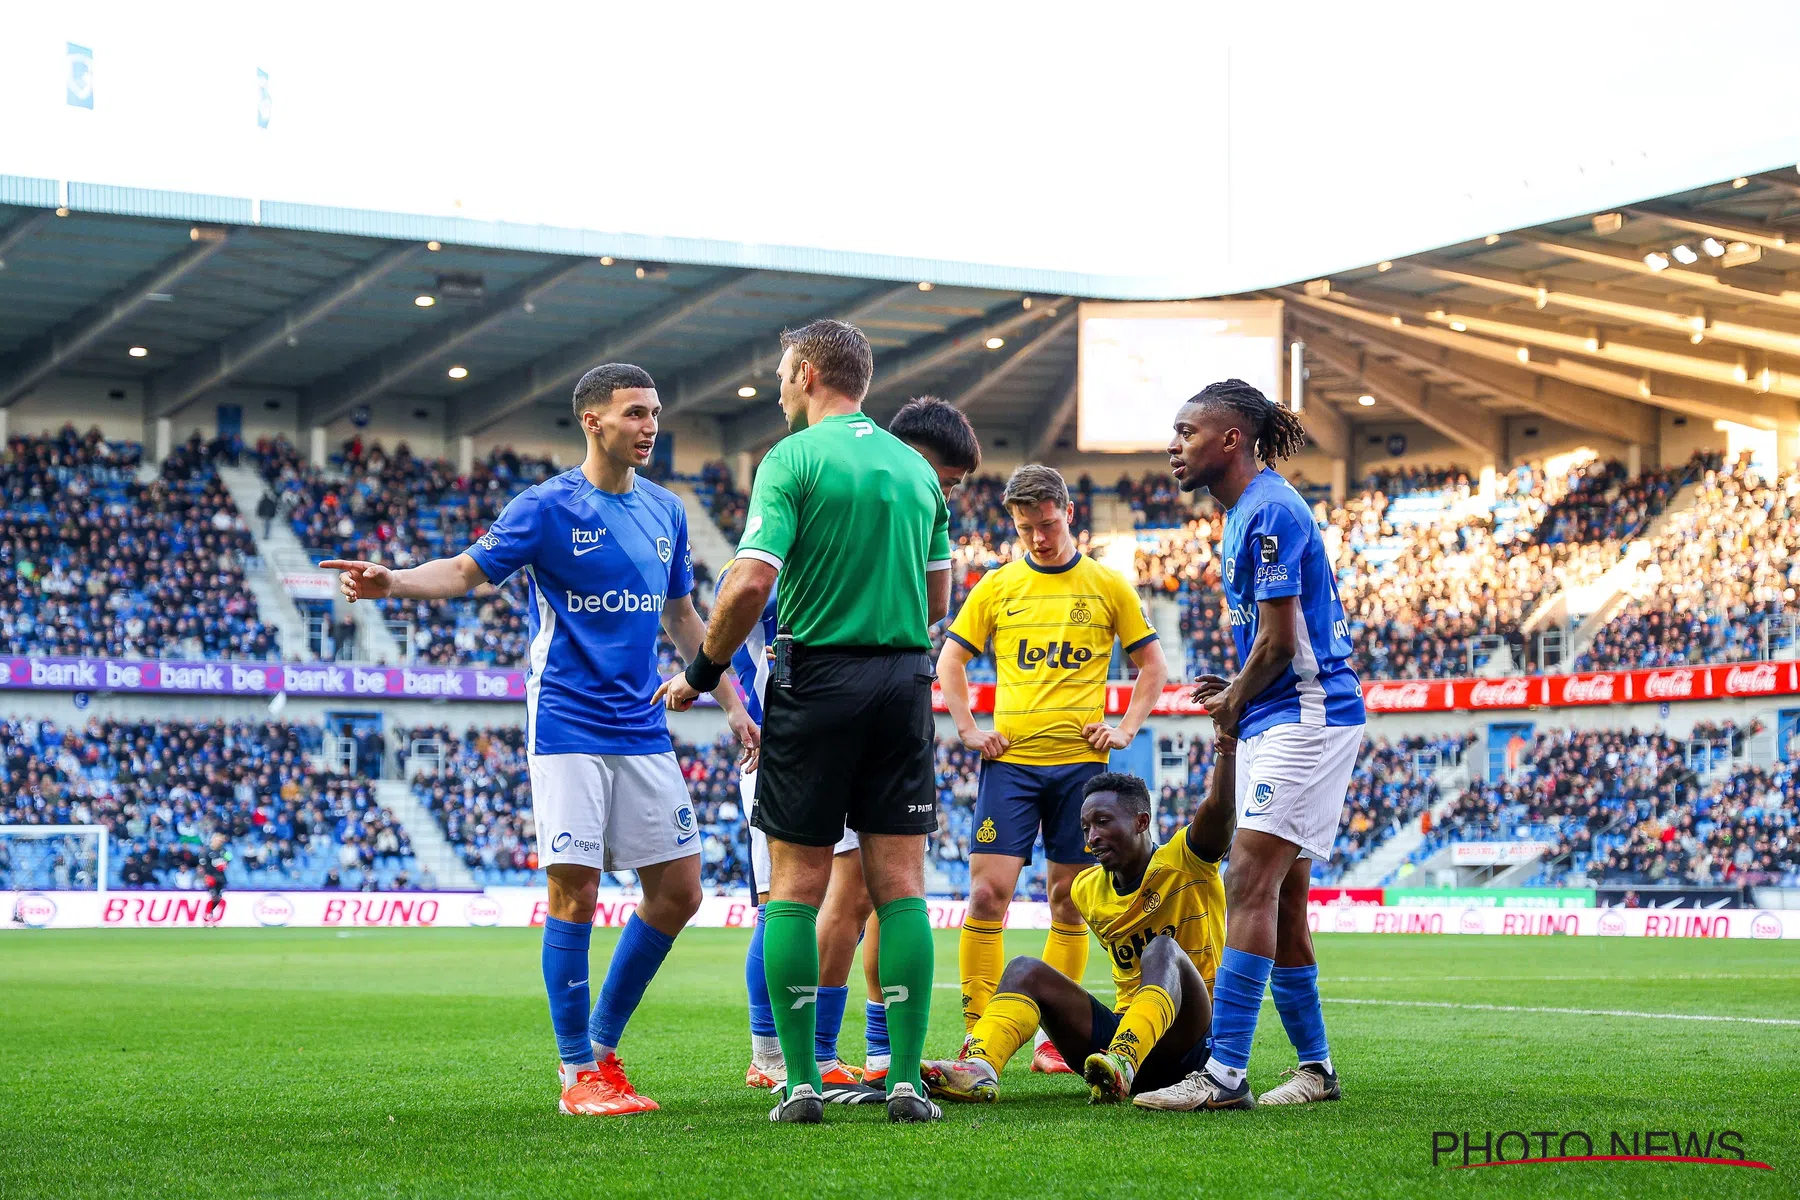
(1341, 911)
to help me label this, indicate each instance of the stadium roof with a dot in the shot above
(1601, 321)
(1575, 320)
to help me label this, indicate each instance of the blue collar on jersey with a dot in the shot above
(1032, 563)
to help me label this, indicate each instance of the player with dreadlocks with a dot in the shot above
(1296, 708)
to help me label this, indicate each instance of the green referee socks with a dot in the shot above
(791, 965)
(906, 968)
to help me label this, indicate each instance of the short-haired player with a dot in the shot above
(605, 557)
(1159, 911)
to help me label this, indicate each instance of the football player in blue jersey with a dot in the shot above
(606, 563)
(1296, 708)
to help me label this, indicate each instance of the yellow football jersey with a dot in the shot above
(1052, 632)
(1181, 895)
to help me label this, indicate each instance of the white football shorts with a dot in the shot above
(616, 812)
(759, 841)
(1292, 780)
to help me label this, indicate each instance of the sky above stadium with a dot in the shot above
(1170, 145)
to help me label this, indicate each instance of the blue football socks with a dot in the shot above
(875, 1035)
(1237, 999)
(762, 1017)
(635, 961)
(1296, 992)
(566, 980)
(831, 1019)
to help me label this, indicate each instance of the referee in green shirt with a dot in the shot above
(854, 522)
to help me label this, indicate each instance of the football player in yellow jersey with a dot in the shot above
(1160, 913)
(1051, 616)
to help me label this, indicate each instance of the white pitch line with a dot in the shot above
(1578, 1012)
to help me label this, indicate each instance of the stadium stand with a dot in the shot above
(95, 562)
(1721, 583)
(479, 789)
(166, 788)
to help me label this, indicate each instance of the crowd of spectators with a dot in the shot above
(166, 789)
(95, 562)
(724, 502)
(1722, 578)
(1155, 500)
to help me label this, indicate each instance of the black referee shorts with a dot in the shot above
(849, 743)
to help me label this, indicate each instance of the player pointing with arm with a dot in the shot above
(1296, 708)
(605, 556)
(1160, 913)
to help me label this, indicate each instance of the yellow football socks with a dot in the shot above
(1066, 949)
(1143, 1022)
(1008, 1023)
(979, 956)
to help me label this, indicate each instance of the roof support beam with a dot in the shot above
(67, 341)
(1683, 320)
(1652, 387)
(1729, 372)
(1627, 420)
(363, 381)
(1603, 254)
(1768, 239)
(1327, 426)
(19, 231)
(1047, 424)
(756, 359)
(908, 364)
(561, 368)
(1462, 421)
(999, 371)
(170, 391)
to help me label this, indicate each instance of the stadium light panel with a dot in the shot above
(1606, 223)
(1655, 261)
(994, 343)
(62, 212)
(1366, 401)
(138, 351)
(1459, 327)
(1384, 265)
(434, 247)
(458, 372)
(606, 260)
(925, 285)
(1713, 247)
(1523, 354)
(747, 392)
(1739, 182)
(1697, 337)
(1685, 255)
(424, 301)
(1025, 303)
(1490, 239)
(1593, 342)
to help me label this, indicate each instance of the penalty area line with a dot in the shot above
(1575, 1012)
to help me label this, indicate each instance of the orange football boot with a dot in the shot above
(1048, 1060)
(756, 1077)
(613, 1072)
(592, 1096)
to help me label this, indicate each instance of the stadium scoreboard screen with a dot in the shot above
(1138, 362)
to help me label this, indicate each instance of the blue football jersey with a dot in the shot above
(752, 662)
(600, 568)
(1272, 548)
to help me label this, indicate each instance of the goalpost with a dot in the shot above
(50, 858)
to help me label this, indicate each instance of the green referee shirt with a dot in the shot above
(853, 519)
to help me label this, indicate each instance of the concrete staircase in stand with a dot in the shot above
(705, 538)
(273, 604)
(1387, 857)
(283, 554)
(429, 845)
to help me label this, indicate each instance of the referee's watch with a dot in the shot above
(703, 674)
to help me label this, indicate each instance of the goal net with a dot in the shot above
(48, 858)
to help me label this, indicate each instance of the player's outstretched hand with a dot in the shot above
(676, 694)
(990, 743)
(749, 737)
(360, 580)
(1208, 686)
(1102, 736)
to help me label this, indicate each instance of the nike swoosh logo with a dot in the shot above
(1013, 612)
(586, 550)
(682, 841)
(577, 982)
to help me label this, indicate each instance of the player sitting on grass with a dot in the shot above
(1160, 913)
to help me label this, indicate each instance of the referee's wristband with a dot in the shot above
(703, 674)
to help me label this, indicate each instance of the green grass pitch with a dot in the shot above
(420, 1063)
